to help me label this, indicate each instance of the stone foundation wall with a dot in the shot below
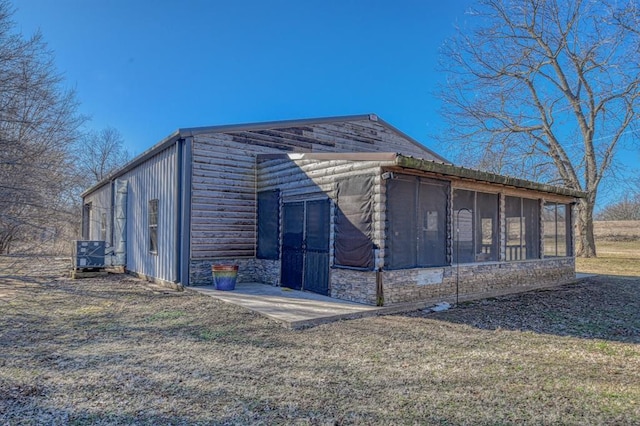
(249, 270)
(267, 271)
(353, 285)
(475, 280)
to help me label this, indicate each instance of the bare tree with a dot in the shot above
(545, 89)
(38, 125)
(99, 153)
(626, 208)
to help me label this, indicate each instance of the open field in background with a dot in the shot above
(618, 249)
(617, 230)
(614, 258)
(117, 350)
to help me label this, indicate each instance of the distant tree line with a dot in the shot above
(45, 157)
(628, 208)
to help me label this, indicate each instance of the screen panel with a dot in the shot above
(433, 198)
(353, 222)
(401, 217)
(268, 225)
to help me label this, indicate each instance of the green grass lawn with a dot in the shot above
(119, 351)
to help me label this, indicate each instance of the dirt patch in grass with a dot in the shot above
(117, 350)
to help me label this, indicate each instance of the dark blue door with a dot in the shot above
(305, 249)
(316, 259)
(292, 245)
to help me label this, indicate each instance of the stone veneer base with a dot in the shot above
(418, 284)
(411, 285)
(249, 270)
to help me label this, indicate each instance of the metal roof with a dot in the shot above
(194, 131)
(406, 162)
(479, 175)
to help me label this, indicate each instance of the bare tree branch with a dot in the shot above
(99, 153)
(547, 89)
(38, 125)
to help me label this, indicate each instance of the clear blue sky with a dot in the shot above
(150, 67)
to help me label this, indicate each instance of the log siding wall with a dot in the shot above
(223, 196)
(311, 179)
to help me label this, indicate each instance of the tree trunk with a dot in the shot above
(585, 240)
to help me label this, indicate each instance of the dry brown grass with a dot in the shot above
(618, 248)
(119, 351)
(620, 258)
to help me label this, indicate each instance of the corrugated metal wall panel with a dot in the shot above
(153, 179)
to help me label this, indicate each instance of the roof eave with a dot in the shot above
(164, 143)
(478, 175)
(410, 139)
(194, 131)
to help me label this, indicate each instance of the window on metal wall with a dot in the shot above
(417, 220)
(522, 228)
(268, 225)
(153, 226)
(103, 227)
(475, 220)
(557, 230)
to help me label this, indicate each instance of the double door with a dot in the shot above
(305, 246)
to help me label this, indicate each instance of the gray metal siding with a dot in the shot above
(223, 204)
(100, 203)
(153, 179)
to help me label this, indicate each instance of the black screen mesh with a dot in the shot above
(417, 222)
(353, 222)
(463, 226)
(268, 225)
(475, 216)
(531, 213)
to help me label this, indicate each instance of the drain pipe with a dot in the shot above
(458, 250)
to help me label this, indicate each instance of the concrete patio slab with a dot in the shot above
(292, 308)
(300, 309)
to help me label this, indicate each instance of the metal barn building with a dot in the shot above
(347, 206)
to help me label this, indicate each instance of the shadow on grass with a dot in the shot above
(601, 307)
(48, 415)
